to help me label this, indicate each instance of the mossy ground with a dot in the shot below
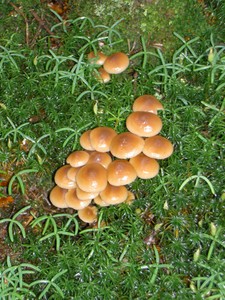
(169, 243)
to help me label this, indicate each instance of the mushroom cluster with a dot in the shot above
(115, 63)
(109, 161)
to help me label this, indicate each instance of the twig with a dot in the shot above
(41, 22)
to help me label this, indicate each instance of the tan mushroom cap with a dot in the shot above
(121, 172)
(147, 103)
(82, 195)
(130, 198)
(145, 166)
(126, 145)
(101, 138)
(98, 200)
(114, 194)
(97, 58)
(116, 63)
(158, 147)
(74, 202)
(102, 75)
(61, 178)
(78, 158)
(144, 123)
(101, 158)
(57, 197)
(72, 172)
(89, 214)
(85, 141)
(92, 178)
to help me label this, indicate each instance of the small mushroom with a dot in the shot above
(147, 103)
(82, 195)
(101, 138)
(121, 172)
(102, 75)
(116, 63)
(89, 214)
(97, 58)
(92, 178)
(62, 180)
(85, 141)
(145, 166)
(144, 123)
(101, 158)
(114, 194)
(158, 147)
(98, 200)
(77, 158)
(126, 145)
(74, 202)
(57, 197)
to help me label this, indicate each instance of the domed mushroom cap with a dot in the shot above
(62, 180)
(98, 200)
(85, 141)
(145, 166)
(121, 172)
(102, 75)
(126, 145)
(72, 173)
(144, 123)
(101, 138)
(82, 195)
(89, 214)
(74, 202)
(92, 178)
(77, 158)
(97, 58)
(114, 194)
(147, 103)
(116, 63)
(158, 147)
(57, 197)
(101, 158)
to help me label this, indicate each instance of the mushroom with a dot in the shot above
(77, 158)
(158, 147)
(92, 178)
(72, 172)
(101, 158)
(101, 138)
(144, 123)
(98, 200)
(121, 172)
(116, 63)
(102, 75)
(82, 195)
(114, 194)
(62, 180)
(88, 214)
(57, 197)
(97, 58)
(130, 198)
(74, 202)
(145, 166)
(126, 145)
(147, 103)
(85, 141)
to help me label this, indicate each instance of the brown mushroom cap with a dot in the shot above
(62, 180)
(88, 214)
(147, 103)
(101, 158)
(126, 145)
(98, 200)
(114, 194)
(85, 141)
(116, 63)
(72, 172)
(145, 166)
(77, 158)
(130, 198)
(97, 58)
(82, 195)
(158, 147)
(101, 138)
(74, 202)
(121, 172)
(103, 76)
(57, 197)
(92, 178)
(144, 123)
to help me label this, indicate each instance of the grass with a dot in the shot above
(169, 244)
